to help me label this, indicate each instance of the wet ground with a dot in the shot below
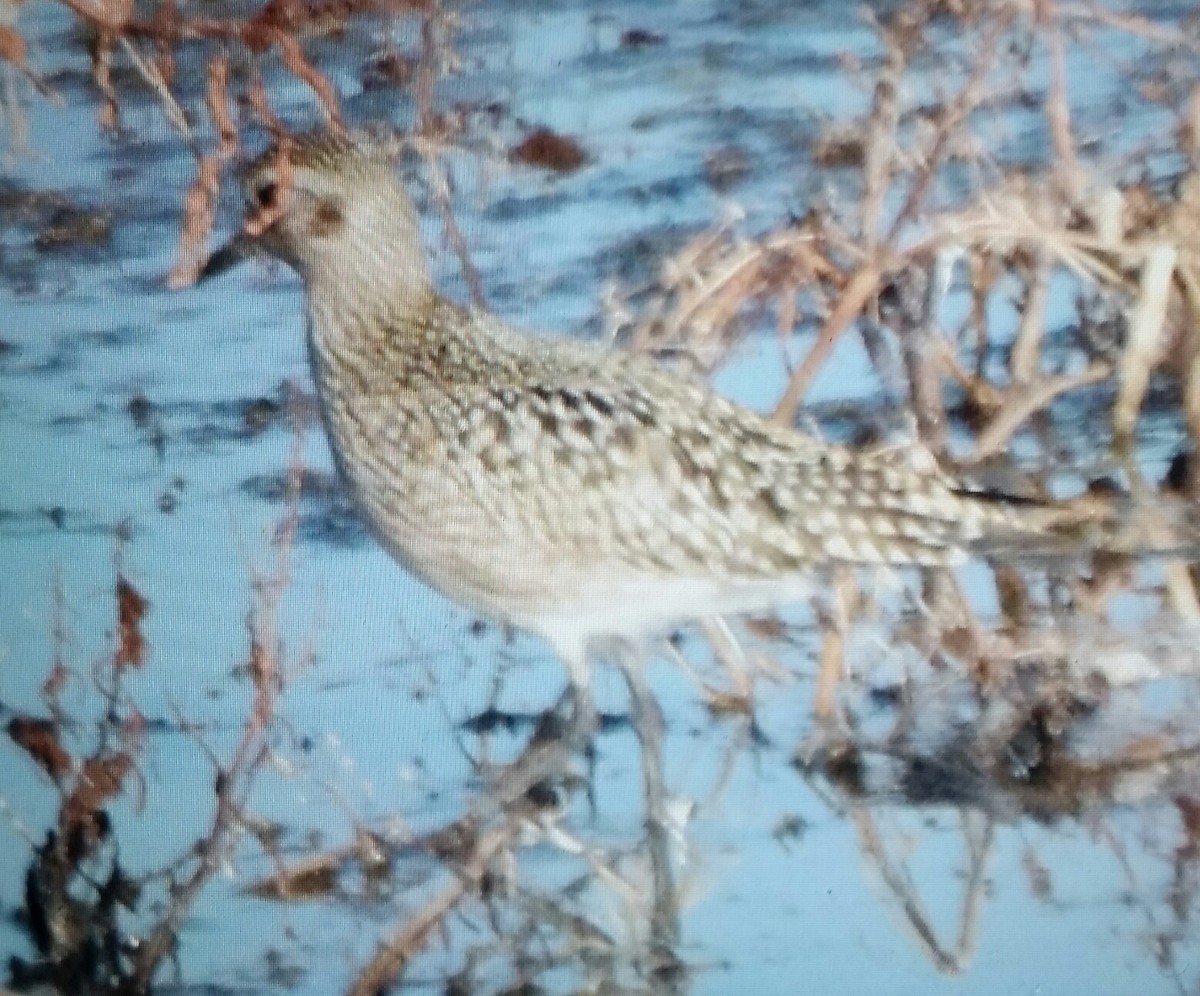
(1029, 836)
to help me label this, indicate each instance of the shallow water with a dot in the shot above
(124, 402)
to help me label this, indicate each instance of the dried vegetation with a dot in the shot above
(1075, 272)
(97, 921)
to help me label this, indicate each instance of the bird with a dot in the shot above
(569, 489)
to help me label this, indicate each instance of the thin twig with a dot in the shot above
(427, 71)
(390, 959)
(153, 78)
(1020, 403)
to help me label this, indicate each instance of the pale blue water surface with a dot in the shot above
(385, 670)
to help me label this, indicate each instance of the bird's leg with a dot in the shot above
(584, 720)
(647, 719)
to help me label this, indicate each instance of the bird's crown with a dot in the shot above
(322, 158)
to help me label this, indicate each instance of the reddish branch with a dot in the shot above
(429, 125)
(258, 33)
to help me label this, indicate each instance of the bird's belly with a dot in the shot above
(615, 604)
(491, 563)
(425, 518)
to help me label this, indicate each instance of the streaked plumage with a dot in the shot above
(569, 490)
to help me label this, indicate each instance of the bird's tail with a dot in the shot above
(1013, 526)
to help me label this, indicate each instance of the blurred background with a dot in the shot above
(245, 752)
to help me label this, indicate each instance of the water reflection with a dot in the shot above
(989, 774)
(605, 913)
(930, 751)
(974, 759)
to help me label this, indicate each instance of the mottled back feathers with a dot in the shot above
(525, 475)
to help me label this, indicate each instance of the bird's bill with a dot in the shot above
(241, 246)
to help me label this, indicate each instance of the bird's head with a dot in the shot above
(332, 208)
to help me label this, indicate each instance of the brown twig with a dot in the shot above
(1058, 108)
(1027, 346)
(1144, 347)
(951, 961)
(1019, 403)
(427, 71)
(854, 296)
(209, 853)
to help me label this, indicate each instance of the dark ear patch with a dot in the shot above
(327, 219)
(265, 194)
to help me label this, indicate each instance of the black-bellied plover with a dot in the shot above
(566, 489)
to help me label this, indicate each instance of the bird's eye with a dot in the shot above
(264, 194)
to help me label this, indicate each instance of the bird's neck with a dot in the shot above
(394, 326)
(370, 278)
(355, 320)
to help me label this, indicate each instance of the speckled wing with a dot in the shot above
(625, 464)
